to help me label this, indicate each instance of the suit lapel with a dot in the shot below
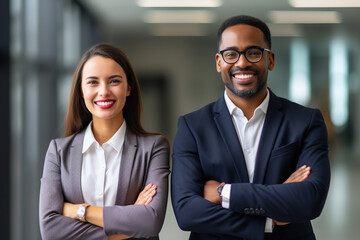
(272, 123)
(227, 131)
(127, 163)
(76, 164)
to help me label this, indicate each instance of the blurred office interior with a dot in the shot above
(172, 48)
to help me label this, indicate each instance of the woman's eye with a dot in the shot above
(92, 82)
(114, 81)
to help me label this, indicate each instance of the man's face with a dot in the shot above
(244, 79)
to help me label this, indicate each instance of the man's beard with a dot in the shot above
(245, 93)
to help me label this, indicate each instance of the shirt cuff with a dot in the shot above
(225, 193)
(268, 225)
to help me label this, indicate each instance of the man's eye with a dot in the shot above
(231, 54)
(253, 53)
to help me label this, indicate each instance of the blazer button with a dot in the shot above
(262, 211)
(246, 211)
(252, 211)
(257, 211)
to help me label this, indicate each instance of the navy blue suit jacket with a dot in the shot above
(206, 147)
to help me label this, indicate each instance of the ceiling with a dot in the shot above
(126, 16)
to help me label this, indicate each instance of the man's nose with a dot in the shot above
(242, 62)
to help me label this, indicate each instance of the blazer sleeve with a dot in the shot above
(144, 221)
(292, 202)
(53, 225)
(192, 211)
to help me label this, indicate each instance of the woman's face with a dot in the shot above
(104, 88)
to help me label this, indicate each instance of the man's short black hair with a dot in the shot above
(247, 20)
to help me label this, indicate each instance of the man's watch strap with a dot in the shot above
(220, 188)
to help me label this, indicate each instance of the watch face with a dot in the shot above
(81, 211)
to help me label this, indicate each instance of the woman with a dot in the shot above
(108, 177)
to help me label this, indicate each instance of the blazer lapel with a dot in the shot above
(227, 131)
(273, 119)
(127, 163)
(76, 164)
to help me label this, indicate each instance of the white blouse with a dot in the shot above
(101, 167)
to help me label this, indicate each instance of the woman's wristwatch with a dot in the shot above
(81, 212)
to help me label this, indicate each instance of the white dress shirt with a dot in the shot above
(101, 167)
(249, 133)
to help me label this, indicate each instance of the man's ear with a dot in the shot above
(271, 61)
(218, 61)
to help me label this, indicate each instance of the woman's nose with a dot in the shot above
(104, 90)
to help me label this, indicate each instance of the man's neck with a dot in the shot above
(247, 105)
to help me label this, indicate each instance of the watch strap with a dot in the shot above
(220, 188)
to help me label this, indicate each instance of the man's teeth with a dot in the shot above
(104, 103)
(243, 76)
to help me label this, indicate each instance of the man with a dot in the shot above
(232, 157)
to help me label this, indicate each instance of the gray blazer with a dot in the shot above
(145, 159)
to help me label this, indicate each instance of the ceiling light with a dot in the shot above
(307, 17)
(285, 30)
(179, 3)
(324, 3)
(173, 16)
(189, 30)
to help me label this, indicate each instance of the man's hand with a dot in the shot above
(210, 191)
(298, 176)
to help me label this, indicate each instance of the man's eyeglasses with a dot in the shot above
(252, 54)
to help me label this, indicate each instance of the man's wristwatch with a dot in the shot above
(81, 212)
(220, 188)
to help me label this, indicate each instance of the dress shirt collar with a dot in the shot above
(232, 107)
(116, 141)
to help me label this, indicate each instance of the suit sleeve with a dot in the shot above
(144, 221)
(292, 202)
(53, 225)
(192, 211)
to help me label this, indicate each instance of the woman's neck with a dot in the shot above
(103, 130)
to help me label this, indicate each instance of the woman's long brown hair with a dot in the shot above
(78, 116)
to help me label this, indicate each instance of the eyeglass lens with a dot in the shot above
(253, 55)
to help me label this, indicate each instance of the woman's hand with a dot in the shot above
(118, 237)
(146, 195)
(70, 210)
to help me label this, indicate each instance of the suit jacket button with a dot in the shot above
(257, 211)
(262, 211)
(246, 211)
(252, 211)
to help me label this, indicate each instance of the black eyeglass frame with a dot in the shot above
(244, 52)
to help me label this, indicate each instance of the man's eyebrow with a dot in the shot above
(230, 48)
(235, 48)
